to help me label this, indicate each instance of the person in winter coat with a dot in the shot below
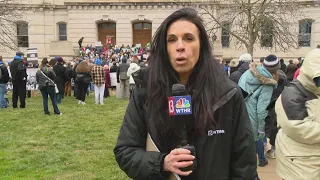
(298, 116)
(83, 79)
(60, 79)
(107, 82)
(98, 78)
(133, 67)
(123, 78)
(291, 69)
(45, 77)
(245, 60)
(219, 127)
(297, 73)
(283, 65)
(114, 67)
(19, 81)
(271, 128)
(4, 79)
(258, 84)
(233, 66)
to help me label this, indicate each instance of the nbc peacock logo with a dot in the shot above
(182, 103)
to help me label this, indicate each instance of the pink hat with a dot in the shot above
(106, 67)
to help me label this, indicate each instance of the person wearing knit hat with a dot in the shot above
(246, 57)
(61, 78)
(271, 63)
(98, 78)
(19, 53)
(257, 85)
(60, 60)
(98, 62)
(244, 61)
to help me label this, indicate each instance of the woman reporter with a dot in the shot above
(181, 53)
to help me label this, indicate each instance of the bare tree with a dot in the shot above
(10, 14)
(273, 23)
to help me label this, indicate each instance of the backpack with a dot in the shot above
(83, 78)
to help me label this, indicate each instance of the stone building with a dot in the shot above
(55, 26)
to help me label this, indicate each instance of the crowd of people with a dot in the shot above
(264, 82)
(90, 70)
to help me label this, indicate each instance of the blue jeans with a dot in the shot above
(75, 91)
(3, 89)
(59, 97)
(260, 149)
(49, 91)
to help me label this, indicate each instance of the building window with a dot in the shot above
(143, 25)
(62, 31)
(266, 39)
(225, 35)
(142, 33)
(22, 34)
(106, 26)
(305, 29)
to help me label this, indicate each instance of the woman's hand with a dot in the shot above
(178, 158)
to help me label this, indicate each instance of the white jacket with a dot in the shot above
(298, 115)
(133, 68)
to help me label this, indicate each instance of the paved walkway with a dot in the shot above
(269, 171)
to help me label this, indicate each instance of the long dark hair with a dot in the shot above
(204, 83)
(44, 62)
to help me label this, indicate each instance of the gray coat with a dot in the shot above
(122, 71)
(42, 80)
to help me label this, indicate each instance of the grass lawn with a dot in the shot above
(77, 145)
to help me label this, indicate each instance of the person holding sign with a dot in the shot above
(185, 119)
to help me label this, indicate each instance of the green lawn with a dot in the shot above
(77, 145)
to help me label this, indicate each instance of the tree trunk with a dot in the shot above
(250, 49)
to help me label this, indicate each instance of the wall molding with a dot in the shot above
(126, 6)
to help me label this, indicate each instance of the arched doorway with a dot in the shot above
(142, 33)
(107, 33)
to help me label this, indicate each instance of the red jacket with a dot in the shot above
(296, 74)
(107, 79)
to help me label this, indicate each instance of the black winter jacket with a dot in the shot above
(69, 73)
(5, 74)
(18, 71)
(220, 156)
(122, 71)
(235, 76)
(61, 78)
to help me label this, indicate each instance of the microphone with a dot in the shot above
(180, 106)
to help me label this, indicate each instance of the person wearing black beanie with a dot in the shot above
(271, 63)
(257, 85)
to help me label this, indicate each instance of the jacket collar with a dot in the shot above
(260, 77)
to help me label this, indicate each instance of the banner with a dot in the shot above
(32, 57)
(31, 80)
